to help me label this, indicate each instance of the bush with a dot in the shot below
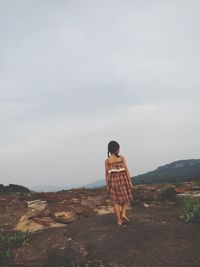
(8, 241)
(191, 210)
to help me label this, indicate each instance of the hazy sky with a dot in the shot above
(75, 75)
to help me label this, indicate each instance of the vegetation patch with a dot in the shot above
(12, 189)
(190, 209)
(10, 240)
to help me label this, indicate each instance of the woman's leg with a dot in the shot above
(117, 212)
(124, 207)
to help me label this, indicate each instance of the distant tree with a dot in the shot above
(13, 188)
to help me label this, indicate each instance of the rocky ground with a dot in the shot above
(78, 228)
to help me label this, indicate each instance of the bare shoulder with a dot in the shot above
(122, 157)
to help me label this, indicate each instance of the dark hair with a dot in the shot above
(113, 146)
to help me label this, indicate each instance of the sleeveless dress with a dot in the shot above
(118, 182)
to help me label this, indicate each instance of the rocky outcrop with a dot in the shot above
(42, 214)
(61, 208)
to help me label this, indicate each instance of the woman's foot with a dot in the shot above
(125, 219)
(119, 223)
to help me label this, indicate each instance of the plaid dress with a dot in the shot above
(118, 182)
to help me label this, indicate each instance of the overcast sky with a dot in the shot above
(75, 75)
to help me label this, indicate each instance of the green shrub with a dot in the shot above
(191, 209)
(8, 241)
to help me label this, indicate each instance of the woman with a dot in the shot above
(118, 181)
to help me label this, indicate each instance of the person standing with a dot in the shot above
(118, 181)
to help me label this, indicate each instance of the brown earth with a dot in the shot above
(155, 237)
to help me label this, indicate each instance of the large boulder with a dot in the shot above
(32, 219)
(68, 213)
(62, 213)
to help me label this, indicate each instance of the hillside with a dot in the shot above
(177, 171)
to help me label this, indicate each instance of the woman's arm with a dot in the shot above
(106, 172)
(127, 171)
